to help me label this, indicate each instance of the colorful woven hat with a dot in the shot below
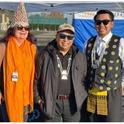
(20, 18)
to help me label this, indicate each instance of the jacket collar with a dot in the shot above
(51, 48)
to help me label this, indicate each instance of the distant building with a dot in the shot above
(46, 21)
(5, 17)
(4, 21)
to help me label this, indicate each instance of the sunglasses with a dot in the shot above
(63, 36)
(21, 28)
(104, 22)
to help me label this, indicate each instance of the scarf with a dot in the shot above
(19, 93)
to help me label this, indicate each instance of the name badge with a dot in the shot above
(15, 76)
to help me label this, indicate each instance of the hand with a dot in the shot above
(41, 102)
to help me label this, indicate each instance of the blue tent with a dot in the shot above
(85, 28)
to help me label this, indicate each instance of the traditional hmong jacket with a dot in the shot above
(108, 75)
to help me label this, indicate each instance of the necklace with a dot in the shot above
(64, 72)
(95, 59)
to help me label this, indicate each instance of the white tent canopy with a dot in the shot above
(66, 6)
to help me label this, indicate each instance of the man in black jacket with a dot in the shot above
(60, 75)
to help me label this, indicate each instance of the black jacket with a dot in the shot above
(47, 75)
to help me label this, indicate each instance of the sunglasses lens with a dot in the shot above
(70, 37)
(105, 22)
(99, 22)
(21, 28)
(27, 28)
(63, 36)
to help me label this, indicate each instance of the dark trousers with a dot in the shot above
(3, 113)
(65, 111)
(114, 109)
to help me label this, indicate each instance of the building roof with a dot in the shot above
(36, 19)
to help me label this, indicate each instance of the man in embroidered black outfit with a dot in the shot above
(61, 71)
(105, 57)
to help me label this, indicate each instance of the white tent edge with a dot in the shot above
(91, 14)
(65, 1)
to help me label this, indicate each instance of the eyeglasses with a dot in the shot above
(63, 36)
(21, 28)
(104, 22)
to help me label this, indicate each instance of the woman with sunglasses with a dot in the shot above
(61, 70)
(105, 58)
(19, 67)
